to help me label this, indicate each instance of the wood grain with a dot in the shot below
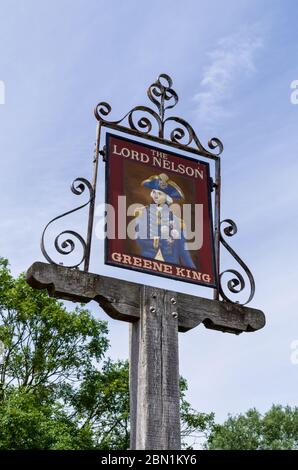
(121, 299)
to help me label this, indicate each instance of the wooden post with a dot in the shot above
(156, 316)
(154, 373)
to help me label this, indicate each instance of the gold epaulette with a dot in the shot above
(182, 224)
(138, 211)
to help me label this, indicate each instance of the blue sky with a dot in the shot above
(232, 64)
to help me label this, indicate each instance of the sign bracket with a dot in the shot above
(154, 126)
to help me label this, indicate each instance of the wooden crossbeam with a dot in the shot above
(121, 299)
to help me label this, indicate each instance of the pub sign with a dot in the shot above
(158, 212)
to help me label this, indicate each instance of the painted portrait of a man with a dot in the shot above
(160, 212)
(161, 235)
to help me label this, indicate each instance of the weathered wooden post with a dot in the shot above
(156, 315)
(154, 373)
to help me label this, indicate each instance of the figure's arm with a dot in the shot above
(140, 223)
(184, 255)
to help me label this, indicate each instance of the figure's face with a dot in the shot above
(159, 197)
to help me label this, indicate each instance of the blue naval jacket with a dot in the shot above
(156, 235)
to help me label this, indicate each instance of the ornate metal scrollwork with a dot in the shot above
(237, 283)
(159, 93)
(163, 97)
(68, 245)
(173, 130)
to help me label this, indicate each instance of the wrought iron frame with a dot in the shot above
(182, 137)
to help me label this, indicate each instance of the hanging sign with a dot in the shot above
(158, 212)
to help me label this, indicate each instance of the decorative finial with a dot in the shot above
(161, 92)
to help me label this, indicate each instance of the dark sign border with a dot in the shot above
(214, 285)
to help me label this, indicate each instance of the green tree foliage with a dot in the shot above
(49, 353)
(57, 390)
(102, 402)
(30, 421)
(276, 429)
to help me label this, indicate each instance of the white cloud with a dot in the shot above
(232, 59)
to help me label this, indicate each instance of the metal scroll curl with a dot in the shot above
(185, 130)
(237, 284)
(161, 92)
(152, 123)
(63, 244)
(144, 124)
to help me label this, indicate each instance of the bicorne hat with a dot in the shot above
(163, 183)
